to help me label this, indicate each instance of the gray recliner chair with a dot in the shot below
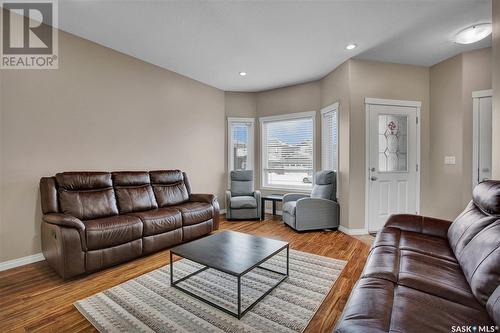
(242, 201)
(320, 210)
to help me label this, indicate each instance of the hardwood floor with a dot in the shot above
(35, 299)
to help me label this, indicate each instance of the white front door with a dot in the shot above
(481, 152)
(392, 162)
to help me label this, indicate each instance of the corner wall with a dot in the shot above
(452, 83)
(496, 89)
(386, 81)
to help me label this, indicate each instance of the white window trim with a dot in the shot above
(251, 140)
(330, 108)
(263, 152)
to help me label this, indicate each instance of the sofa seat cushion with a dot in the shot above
(243, 202)
(446, 281)
(413, 269)
(195, 212)
(112, 231)
(160, 220)
(429, 245)
(289, 207)
(413, 241)
(378, 305)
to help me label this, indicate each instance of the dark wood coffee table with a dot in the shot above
(231, 252)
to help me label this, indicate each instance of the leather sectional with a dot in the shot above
(430, 275)
(93, 220)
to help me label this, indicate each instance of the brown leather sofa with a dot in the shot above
(93, 220)
(430, 275)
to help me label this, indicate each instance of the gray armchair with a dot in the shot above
(320, 210)
(242, 201)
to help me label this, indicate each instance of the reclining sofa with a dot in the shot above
(93, 220)
(430, 275)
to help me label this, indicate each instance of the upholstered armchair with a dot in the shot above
(242, 201)
(319, 210)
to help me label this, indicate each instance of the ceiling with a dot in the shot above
(278, 43)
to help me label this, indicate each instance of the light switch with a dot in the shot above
(450, 160)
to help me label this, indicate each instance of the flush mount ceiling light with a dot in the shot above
(473, 34)
(351, 46)
(243, 73)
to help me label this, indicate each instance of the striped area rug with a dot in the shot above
(148, 303)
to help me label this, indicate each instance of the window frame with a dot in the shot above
(251, 143)
(263, 150)
(330, 108)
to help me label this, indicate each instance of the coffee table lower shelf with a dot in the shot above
(239, 314)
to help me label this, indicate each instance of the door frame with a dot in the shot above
(389, 102)
(476, 95)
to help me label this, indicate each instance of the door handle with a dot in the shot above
(372, 178)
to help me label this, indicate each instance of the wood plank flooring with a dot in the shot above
(35, 299)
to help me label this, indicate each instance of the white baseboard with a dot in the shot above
(222, 211)
(353, 232)
(21, 261)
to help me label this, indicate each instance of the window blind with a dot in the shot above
(240, 145)
(329, 141)
(288, 152)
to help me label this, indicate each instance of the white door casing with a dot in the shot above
(392, 160)
(481, 134)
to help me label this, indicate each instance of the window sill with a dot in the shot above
(287, 190)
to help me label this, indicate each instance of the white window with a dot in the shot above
(287, 145)
(240, 143)
(329, 138)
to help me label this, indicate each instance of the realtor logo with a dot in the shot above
(29, 34)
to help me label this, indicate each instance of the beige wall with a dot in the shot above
(297, 98)
(452, 84)
(446, 137)
(496, 89)
(237, 104)
(335, 87)
(101, 110)
(476, 71)
(387, 81)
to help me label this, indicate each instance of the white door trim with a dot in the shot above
(476, 95)
(391, 102)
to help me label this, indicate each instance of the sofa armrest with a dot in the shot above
(228, 204)
(210, 199)
(421, 224)
(294, 196)
(258, 197)
(64, 220)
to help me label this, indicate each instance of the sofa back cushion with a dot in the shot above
(86, 195)
(169, 187)
(133, 191)
(474, 237)
(241, 183)
(480, 262)
(467, 225)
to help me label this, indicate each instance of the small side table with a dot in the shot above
(271, 197)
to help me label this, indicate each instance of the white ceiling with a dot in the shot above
(278, 43)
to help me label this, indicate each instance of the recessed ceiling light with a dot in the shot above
(243, 73)
(473, 34)
(351, 46)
